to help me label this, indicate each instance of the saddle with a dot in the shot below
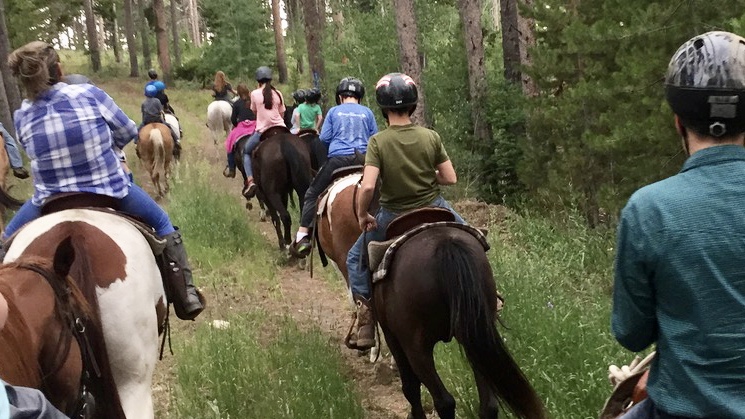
(341, 178)
(308, 132)
(271, 132)
(101, 203)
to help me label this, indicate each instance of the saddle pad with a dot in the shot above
(380, 269)
(327, 198)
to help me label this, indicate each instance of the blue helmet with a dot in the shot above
(150, 90)
(159, 85)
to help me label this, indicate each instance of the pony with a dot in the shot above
(218, 118)
(155, 150)
(281, 165)
(440, 285)
(6, 201)
(171, 121)
(86, 303)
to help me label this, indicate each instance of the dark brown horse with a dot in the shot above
(439, 286)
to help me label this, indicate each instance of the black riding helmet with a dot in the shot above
(313, 95)
(263, 74)
(396, 91)
(299, 95)
(705, 84)
(152, 74)
(350, 86)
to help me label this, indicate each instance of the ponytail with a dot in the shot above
(269, 96)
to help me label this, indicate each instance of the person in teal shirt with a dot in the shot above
(309, 114)
(680, 260)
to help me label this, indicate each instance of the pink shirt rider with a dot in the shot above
(267, 118)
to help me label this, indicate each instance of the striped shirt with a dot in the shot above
(69, 132)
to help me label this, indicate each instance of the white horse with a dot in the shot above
(218, 118)
(112, 258)
(173, 123)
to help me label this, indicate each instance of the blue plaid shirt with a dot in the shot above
(69, 132)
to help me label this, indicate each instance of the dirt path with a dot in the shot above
(309, 301)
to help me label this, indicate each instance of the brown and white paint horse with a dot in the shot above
(155, 149)
(114, 282)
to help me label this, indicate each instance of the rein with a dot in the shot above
(85, 406)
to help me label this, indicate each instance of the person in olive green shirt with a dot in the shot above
(680, 260)
(412, 164)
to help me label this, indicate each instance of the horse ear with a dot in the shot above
(64, 256)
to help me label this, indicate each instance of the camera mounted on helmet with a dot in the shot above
(705, 84)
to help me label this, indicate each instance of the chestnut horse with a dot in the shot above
(439, 285)
(155, 150)
(86, 301)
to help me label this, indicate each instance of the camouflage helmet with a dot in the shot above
(705, 84)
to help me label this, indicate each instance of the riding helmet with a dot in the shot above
(313, 95)
(350, 86)
(150, 90)
(263, 74)
(396, 91)
(299, 95)
(152, 74)
(705, 84)
(76, 79)
(159, 85)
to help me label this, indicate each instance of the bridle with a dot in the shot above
(77, 322)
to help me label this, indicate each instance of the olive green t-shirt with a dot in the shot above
(407, 156)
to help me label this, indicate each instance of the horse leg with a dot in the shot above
(410, 384)
(274, 207)
(423, 363)
(286, 220)
(488, 403)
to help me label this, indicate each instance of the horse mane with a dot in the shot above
(14, 351)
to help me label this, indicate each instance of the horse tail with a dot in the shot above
(159, 153)
(103, 388)
(472, 315)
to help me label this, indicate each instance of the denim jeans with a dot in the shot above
(11, 147)
(251, 144)
(137, 202)
(648, 410)
(359, 274)
(24, 402)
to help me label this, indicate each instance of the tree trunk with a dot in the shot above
(101, 27)
(145, 35)
(80, 36)
(470, 15)
(338, 18)
(115, 38)
(279, 42)
(192, 12)
(409, 58)
(517, 37)
(161, 37)
(90, 23)
(496, 18)
(314, 38)
(129, 28)
(295, 29)
(10, 87)
(526, 28)
(174, 33)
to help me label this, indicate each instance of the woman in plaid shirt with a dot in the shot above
(68, 132)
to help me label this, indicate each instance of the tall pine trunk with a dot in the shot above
(115, 38)
(515, 49)
(90, 24)
(175, 34)
(192, 12)
(11, 88)
(295, 29)
(314, 38)
(129, 28)
(161, 37)
(279, 42)
(470, 15)
(409, 59)
(145, 35)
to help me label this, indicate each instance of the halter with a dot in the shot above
(85, 406)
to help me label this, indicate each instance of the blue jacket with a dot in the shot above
(347, 128)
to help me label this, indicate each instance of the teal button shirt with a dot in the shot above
(680, 282)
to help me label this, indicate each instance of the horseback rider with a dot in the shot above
(310, 115)
(244, 123)
(679, 278)
(221, 88)
(346, 130)
(412, 163)
(14, 155)
(152, 112)
(268, 105)
(294, 121)
(69, 132)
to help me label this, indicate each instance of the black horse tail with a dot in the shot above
(298, 167)
(472, 322)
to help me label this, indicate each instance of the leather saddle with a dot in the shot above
(308, 132)
(271, 132)
(414, 218)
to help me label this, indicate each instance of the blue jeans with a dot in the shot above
(11, 147)
(359, 274)
(647, 410)
(137, 202)
(251, 144)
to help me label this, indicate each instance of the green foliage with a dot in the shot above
(295, 375)
(32, 20)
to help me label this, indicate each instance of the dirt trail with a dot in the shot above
(309, 301)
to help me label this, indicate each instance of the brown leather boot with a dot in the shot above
(187, 301)
(365, 324)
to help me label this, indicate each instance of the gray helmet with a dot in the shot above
(263, 74)
(76, 79)
(350, 86)
(299, 95)
(705, 84)
(152, 74)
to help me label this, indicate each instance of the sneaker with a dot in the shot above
(229, 172)
(249, 190)
(20, 173)
(301, 249)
